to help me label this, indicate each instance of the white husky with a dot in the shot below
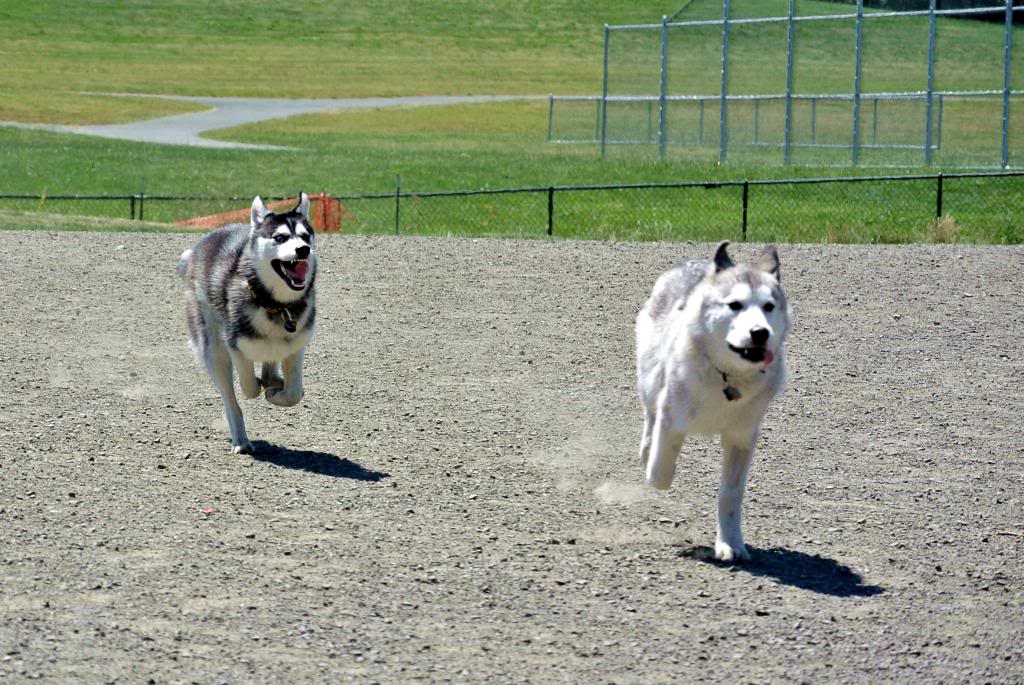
(709, 354)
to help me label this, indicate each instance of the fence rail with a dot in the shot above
(754, 132)
(990, 202)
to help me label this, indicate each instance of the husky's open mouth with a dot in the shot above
(754, 355)
(293, 273)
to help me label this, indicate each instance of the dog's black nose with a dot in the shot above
(759, 336)
(302, 251)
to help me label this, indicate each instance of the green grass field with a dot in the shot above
(53, 58)
(48, 221)
(309, 48)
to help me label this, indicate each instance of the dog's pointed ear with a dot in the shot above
(722, 259)
(770, 262)
(258, 213)
(303, 206)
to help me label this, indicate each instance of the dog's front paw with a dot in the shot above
(244, 447)
(729, 553)
(283, 398)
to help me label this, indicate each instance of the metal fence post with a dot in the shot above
(551, 211)
(938, 196)
(874, 121)
(931, 84)
(662, 87)
(757, 118)
(131, 206)
(790, 37)
(398, 195)
(551, 114)
(604, 93)
(858, 44)
(814, 121)
(723, 124)
(746, 191)
(142, 205)
(1007, 55)
(700, 127)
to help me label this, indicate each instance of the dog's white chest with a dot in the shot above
(270, 349)
(272, 342)
(715, 404)
(708, 411)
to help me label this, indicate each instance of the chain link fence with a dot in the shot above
(809, 88)
(968, 207)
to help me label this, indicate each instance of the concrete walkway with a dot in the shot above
(187, 129)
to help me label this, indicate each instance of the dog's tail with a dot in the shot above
(183, 262)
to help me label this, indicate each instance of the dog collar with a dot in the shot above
(286, 316)
(730, 391)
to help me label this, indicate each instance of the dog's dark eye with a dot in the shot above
(735, 306)
(280, 238)
(768, 306)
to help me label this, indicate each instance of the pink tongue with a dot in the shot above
(768, 357)
(300, 270)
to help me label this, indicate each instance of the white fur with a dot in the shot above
(682, 352)
(280, 355)
(271, 349)
(182, 267)
(266, 250)
(257, 212)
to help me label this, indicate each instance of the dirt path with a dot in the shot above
(188, 129)
(458, 499)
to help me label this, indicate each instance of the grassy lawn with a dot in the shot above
(459, 151)
(11, 220)
(320, 49)
(43, 106)
(308, 49)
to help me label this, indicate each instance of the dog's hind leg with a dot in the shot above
(666, 441)
(645, 439)
(738, 452)
(218, 363)
(291, 393)
(270, 375)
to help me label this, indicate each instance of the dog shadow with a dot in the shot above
(807, 572)
(320, 463)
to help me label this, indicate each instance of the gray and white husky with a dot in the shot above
(709, 352)
(249, 298)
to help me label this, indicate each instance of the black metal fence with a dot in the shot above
(976, 207)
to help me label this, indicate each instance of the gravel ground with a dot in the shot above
(458, 497)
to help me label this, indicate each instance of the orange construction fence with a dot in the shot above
(326, 214)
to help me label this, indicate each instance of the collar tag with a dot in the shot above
(731, 393)
(289, 322)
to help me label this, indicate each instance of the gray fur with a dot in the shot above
(222, 265)
(722, 259)
(675, 286)
(237, 317)
(769, 262)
